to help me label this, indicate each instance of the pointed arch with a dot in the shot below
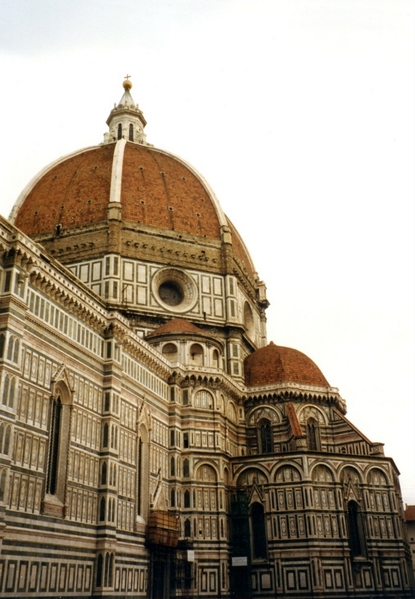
(143, 472)
(258, 531)
(3, 478)
(61, 402)
(357, 539)
(265, 436)
(313, 434)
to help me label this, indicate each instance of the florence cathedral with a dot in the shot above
(153, 444)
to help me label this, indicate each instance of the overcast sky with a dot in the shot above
(300, 114)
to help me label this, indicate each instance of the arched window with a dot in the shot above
(102, 509)
(259, 539)
(10, 348)
(6, 389)
(187, 527)
(108, 566)
(249, 320)
(2, 485)
(215, 358)
(203, 399)
(16, 351)
(119, 131)
(142, 472)
(196, 355)
(11, 392)
(54, 436)
(6, 445)
(58, 448)
(186, 499)
(131, 132)
(172, 467)
(313, 435)
(356, 530)
(105, 435)
(265, 436)
(173, 498)
(104, 474)
(186, 469)
(99, 570)
(169, 351)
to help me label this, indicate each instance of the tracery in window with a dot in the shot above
(313, 435)
(59, 427)
(203, 399)
(265, 440)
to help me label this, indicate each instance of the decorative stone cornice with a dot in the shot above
(287, 392)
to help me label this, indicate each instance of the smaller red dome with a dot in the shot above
(176, 326)
(274, 364)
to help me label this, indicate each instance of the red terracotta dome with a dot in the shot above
(274, 364)
(157, 189)
(176, 326)
(154, 188)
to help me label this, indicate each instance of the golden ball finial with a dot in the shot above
(127, 85)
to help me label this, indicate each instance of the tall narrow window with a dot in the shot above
(6, 389)
(119, 131)
(11, 393)
(99, 570)
(104, 474)
(187, 527)
(102, 509)
(105, 435)
(131, 132)
(54, 446)
(313, 435)
(265, 436)
(356, 530)
(58, 450)
(3, 485)
(186, 470)
(186, 500)
(7, 440)
(259, 540)
(142, 472)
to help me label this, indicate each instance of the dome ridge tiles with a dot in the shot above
(275, 364)
(176, 325)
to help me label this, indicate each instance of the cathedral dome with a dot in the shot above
(274, 364)
(124, 179)
(153, 187)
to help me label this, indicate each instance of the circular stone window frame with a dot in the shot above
(182, 280)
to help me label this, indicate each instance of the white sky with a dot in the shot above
(300, 114)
